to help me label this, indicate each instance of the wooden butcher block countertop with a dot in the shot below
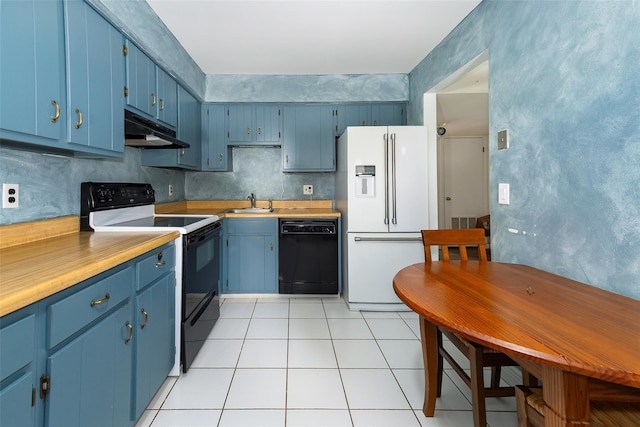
(40, 258)
(281, 208)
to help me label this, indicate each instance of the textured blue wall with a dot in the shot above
(50, 186)
(258, 171)
(564, 79)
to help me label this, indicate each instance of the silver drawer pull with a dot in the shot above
(161, 264)
(101, 301)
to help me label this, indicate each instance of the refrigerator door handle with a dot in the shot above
(394, 214)
(387, 239)
(386, 178)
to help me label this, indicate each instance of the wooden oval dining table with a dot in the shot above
(581, 341)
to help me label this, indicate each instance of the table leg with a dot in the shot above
(566, 397)
(429, 336)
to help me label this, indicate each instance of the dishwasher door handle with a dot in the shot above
(388, 239)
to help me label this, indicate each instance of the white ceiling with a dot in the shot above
(308, 36)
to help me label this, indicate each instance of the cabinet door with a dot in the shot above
(392, 114)
(252, 255)
(17, 368)
(216, 154)
(309, 138)
(155, 346)
(239, 123)
(95, 76)
(353, 115)
(32, 92)
(141, 81)
(189, 129)
(167, 98)
(91, 375)
(268, 124)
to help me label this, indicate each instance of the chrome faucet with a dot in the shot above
(252, 199)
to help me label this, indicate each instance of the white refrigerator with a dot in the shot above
(381, 191)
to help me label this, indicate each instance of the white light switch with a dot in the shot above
(503, 194)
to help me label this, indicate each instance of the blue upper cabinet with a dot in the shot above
(149, 89)
(253, 124)
(309, 138)
(240, 123)
(189, 129)
(268, 124)
(371, 114)
(62, 78)
(167, 98)
(216, 153)
(141, 81)
(353, 115)
(95, 81)
(32, 91)
(389, 114)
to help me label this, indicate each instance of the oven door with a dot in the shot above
(200, 299)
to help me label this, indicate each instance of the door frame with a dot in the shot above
(430, 120)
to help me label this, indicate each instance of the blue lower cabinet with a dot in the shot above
(17, 368)
(94, 354)
(155, 347)
(91, 375)
(252, 255)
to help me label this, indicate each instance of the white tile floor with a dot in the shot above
(312, 362)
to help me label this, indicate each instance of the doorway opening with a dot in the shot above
(459, 151)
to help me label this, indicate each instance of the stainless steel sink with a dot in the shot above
(251, 210)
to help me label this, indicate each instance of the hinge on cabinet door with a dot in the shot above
(33, 396)
(126, 91)
(227, 135)
(45, 385)
(279, 135)
(278, 112)
(483, 149)
(125, 50)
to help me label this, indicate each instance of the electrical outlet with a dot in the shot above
(170, 190)
(10, 196)
(307, 189)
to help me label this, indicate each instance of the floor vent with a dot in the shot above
(462, 222)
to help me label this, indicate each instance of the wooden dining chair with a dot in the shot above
(530, 405)
(479, 356)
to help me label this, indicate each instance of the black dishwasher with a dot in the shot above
(308, 256)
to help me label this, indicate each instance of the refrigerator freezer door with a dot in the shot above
(409, 204)
(374, 259)
(365, 147)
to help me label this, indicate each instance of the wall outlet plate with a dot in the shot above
(10, 196)
(170, 190)
(307, 189)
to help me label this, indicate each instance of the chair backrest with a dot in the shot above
(459, 238)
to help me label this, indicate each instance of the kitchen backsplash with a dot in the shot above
(259, 171)
(50, 185)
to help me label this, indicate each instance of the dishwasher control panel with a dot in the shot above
(308, 226)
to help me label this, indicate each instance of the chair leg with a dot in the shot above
(496, 372)
(477, 387)
(440, 364)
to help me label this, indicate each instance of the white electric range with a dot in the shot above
(129, 207)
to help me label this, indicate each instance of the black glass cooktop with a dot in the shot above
(162, 221)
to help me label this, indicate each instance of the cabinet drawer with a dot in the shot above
(17, 341)
(156, 264)
(71, 314)
(252, 226)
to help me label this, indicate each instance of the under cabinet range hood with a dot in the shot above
(142, 132)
